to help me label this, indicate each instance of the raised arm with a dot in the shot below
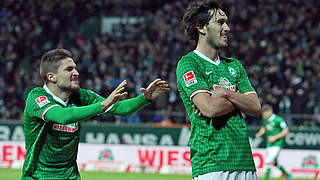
(58, 114)
(61, 115)
(129, 106)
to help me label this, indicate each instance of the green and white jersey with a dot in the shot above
(224, 144)
(51, 148)
(273, 126)
(52, 127)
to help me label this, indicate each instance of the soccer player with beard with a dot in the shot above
(215, 90)
(53, 115)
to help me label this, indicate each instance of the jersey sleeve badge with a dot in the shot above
(189, 78)
(42, 100)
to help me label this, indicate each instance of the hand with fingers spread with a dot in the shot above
(115, 95)
(154, 89)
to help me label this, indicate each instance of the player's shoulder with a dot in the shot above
(187, 58)
(37, 91)
(85, 96)
(83, 91)
(38, 96)
(86, 92)
(230, 59)
(279, 118)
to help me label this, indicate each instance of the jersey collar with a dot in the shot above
(272, 117)
(217, 62)
(54, 96)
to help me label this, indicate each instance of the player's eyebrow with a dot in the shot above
(222, 20)
(223, 17)
(70, 67)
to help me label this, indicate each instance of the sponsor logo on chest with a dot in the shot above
(65, 128)
(224, 83)
(270, 126)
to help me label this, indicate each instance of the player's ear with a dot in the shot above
(201, 30)
(51, 77)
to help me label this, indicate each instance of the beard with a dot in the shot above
(71, 88)
(220, 45)
(75, 88)
(217, 43)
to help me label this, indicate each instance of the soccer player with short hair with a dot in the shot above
(53, 115)
(276, 129)
(218, 88)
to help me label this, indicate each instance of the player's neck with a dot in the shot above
(208, 51)
(60, 93)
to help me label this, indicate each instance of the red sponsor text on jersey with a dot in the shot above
(232, 88)
(64, 128)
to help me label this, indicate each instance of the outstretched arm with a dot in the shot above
(114, 96)
(155, 89)
(58, 114)
(129, 106)
(61, 115)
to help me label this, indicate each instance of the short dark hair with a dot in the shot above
(198, 15)
(50, 61)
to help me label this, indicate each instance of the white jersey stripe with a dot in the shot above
(199, 91)
(46, 110)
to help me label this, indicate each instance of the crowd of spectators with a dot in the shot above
(277, 41)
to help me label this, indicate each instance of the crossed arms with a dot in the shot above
(223, 101)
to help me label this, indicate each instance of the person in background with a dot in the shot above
(276, 129)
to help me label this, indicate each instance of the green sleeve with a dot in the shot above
(129, 106)
(244, 84)
(190, 78)
(88, 97)
(61, 115)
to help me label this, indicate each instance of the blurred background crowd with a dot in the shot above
(139, 40)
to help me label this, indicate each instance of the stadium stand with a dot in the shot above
(277, 41)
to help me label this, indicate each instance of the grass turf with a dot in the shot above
(14, 174)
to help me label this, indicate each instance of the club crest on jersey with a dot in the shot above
(232, 71)
(270, 127)
(42, 100)
(225, 83)
(189, 78)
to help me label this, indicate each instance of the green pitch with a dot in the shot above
(14, 174)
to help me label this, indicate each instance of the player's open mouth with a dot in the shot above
(225, 37)
(74, 80)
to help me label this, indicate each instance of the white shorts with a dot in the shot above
(272, 154)
(228, 175)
